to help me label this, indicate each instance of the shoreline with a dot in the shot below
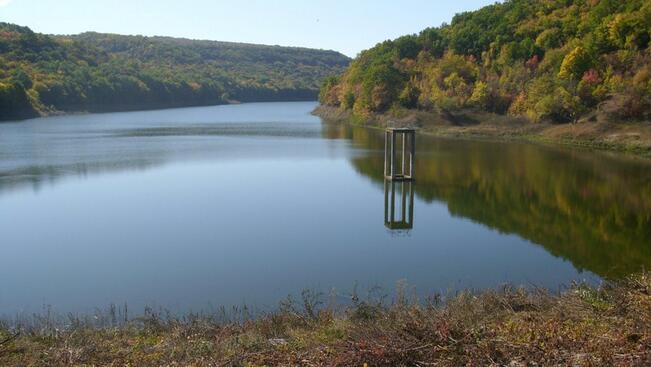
(583, 325)
(630, 138)
(46, 114)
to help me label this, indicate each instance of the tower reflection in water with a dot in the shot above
(401, 216)
(399, 152)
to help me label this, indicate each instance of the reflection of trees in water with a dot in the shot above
(38, 176)
(589, 208)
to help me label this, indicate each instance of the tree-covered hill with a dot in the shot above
(41, 74)
(548, 60)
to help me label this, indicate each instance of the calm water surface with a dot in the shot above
(190, 209)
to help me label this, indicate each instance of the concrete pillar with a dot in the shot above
(386, 152)
(412, 155)
(404, 154)
(393, 154)
(406, 147)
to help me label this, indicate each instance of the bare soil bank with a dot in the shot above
(595, 132)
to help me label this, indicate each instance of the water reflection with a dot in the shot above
(224, 215)
(38, 176)
(399, 217)
(590, 208)
(40, 152)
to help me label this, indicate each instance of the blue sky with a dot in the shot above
(348, 26)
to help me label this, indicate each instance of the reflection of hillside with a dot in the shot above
(588, 208)
(38, 176)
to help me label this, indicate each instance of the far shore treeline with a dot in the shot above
(545, 60)
(43, 74)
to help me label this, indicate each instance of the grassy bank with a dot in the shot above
(595, 132)
(583, 326)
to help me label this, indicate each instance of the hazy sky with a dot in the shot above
(348, 26)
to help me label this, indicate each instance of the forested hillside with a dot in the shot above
(41, 74)
(547, 60)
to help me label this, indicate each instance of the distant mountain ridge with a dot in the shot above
(43, 74)
(207, 50)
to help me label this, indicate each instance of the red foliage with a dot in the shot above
(532, 63)
(8, 35)
(591, 77)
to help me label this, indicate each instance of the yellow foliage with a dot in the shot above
(574, 64)
(479, 94)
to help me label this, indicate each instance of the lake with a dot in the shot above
(191, 209)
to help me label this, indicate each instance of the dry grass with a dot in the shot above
(584, 326)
